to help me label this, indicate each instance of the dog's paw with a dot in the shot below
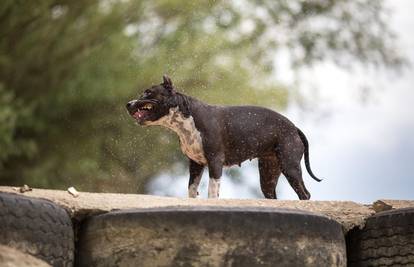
(192, 191)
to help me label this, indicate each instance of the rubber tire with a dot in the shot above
(211, 236)
(37, 227)
(386, 240)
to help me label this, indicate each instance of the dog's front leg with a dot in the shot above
(196, 171)
(215, 168)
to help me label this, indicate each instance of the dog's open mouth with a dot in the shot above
(143, 111)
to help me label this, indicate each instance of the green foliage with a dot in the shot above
(67, 68)
(14, 115)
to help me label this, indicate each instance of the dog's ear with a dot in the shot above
(168, 83)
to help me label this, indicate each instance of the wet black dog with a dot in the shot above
(217, 136)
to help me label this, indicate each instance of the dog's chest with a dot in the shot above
(190, 137)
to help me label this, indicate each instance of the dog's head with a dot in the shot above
(154, 103)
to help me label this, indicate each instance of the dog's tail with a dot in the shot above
(307, 164)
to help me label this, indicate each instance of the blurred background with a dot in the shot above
(340, 70)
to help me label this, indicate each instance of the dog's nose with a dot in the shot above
(130, 104)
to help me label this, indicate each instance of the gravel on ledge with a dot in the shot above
(347, 213)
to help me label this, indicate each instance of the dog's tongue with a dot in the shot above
(139, 114)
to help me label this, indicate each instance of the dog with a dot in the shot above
(218, 136)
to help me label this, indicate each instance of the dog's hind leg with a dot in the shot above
(196, 171)
(294, 177)
(289, 153)
(269, 170)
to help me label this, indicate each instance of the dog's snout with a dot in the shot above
(130, 104)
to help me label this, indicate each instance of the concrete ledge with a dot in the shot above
(349, 214)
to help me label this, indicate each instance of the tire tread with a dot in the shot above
(38, 227)
(386, 240)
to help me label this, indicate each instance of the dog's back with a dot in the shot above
(247, 132)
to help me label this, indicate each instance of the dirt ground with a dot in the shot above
(348, 213)
(10, 257)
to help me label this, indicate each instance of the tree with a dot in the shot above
(67, 68)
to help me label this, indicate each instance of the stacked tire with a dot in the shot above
(37, 227)
(211, 236)
(386, 240)
(201, 236)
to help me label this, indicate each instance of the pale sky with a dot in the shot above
(364, 151)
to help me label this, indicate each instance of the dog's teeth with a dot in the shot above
(147, 107)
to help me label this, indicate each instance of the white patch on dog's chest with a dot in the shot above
(190, 137)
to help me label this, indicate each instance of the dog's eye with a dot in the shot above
(147, 92)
